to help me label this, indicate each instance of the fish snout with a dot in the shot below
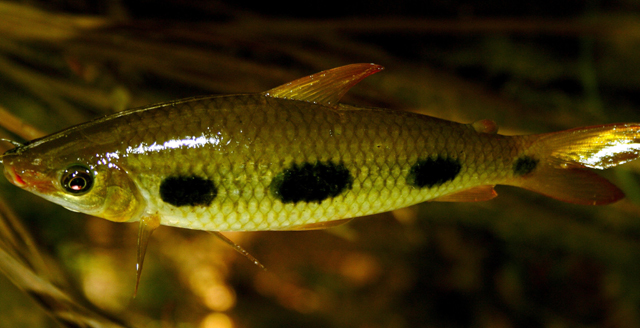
(13, 176)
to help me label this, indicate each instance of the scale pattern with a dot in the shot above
(242, 143)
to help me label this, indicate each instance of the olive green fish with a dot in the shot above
(294, 158)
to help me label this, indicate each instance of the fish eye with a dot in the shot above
(77, 179)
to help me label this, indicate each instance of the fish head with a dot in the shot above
(81, 179)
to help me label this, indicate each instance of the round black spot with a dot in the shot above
(187, 191)
(311, 182)
(524, 165)
(432, 172)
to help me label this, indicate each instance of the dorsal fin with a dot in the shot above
(327, 87)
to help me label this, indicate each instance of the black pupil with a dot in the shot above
(77, 183)
(77, 180)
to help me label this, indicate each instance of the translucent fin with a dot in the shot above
(320, 225)
(475, 194)
(238, 249)
(148, 224)
(343, 231)
(578, 186)
(556, 165)
(485, 126)
(327, 87)
(598, 147)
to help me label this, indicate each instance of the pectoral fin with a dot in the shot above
(148, 224)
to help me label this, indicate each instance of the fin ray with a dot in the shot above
(475, 194)
(557, 163)
(326, 87)
(238, 249)
(598, 147)
(577, 186)
(319, 225)
(148, 224)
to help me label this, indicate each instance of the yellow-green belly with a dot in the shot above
(238, 145)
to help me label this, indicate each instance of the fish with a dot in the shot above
(296, 158)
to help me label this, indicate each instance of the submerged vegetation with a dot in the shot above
(518, 260)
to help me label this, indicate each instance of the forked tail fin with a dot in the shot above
(558, 163)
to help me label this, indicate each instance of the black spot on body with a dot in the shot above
(311, 182)
(524, 165)
(187, 191)
(433, 172)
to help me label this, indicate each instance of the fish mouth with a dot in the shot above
(14, 177)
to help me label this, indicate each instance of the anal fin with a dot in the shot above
(475, 194)
(319, 225)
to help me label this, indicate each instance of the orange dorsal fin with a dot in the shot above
(475, 194)
(327, 87)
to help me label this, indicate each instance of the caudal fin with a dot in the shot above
(558, 166)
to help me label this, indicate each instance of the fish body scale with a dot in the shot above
(242, 143)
